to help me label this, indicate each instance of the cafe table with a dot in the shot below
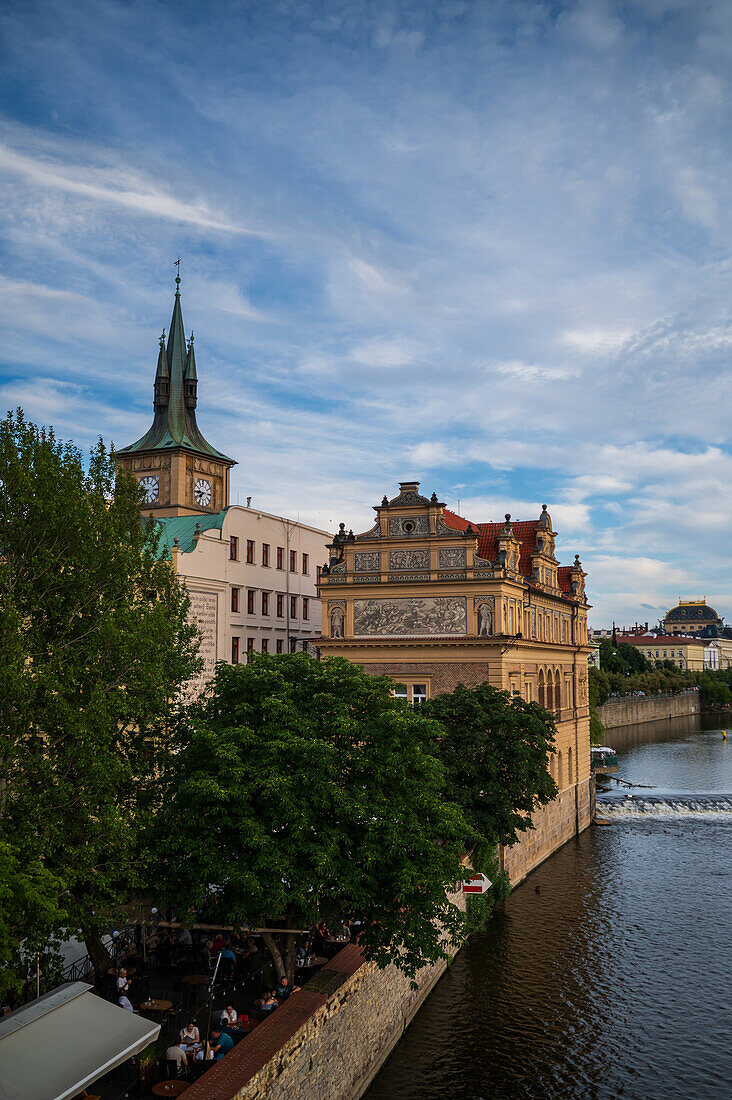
(156, 1006)
(196, 979)
(170, 1088)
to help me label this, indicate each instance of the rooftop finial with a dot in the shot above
(162, 338)
(176, 263)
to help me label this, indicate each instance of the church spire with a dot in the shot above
(176, 392)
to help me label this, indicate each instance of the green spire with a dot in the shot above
(176, 384)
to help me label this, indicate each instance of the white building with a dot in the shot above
(252, 580)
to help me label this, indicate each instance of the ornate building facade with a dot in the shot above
(433, 600)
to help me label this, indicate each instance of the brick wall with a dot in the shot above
(327, 1042)
(444, 675)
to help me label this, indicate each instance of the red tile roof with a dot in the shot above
(660, 639)
(456, 522)
(525, 532)
(564, 577)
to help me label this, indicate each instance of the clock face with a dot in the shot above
(202, 492)
(150, 486)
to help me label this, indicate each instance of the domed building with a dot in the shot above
(691, 617)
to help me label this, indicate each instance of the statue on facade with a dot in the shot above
(337, 622)
(485, 620)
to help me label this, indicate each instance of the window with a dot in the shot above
(265, 645)
(293, 645)
(265, 553)
(250, 551)
(540, 697)
(250, 601)
(233, 548)
(400, 692)
(280, 557)
(235, 651)
(280, 605)
(265, 603)
(527, 691)
(419, 694)
(250, 645)
(317, 574)
(235, 599)
(557, 692)
(305, 607)
(279, 645)
(665, 653)
(305, 563)
(293, 561)
(293, 607)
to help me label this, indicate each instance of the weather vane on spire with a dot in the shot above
(176, 263)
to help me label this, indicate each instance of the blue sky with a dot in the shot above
(486, 245)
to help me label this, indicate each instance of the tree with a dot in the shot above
(95, 643)
(305, 790)
(495, 750)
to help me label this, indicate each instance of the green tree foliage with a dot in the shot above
(715, 691)
(305, 790)
(95, 643)
(495, 750)
(623, 659)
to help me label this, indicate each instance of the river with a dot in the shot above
(606, 973)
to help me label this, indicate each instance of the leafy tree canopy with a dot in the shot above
(95, 644)
(495, 750)
(304, 789)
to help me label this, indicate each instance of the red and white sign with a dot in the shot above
(478, 885)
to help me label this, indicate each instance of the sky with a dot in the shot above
(484, 245)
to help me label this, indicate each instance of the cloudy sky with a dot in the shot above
(481, 243)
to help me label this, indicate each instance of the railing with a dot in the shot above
(650, 695)
(83, 969)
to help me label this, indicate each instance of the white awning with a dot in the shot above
(58, 1045)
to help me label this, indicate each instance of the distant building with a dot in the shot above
(593, 657)
(434, 601)
(692, 617)
(251, 576)
(688, 654)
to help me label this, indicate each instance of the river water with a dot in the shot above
(606, 974)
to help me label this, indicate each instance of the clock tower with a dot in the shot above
(180, 473)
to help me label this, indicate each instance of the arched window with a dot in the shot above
(557, 692)
(549, 691)
(541, 695)
(570, 777)
(559, 770)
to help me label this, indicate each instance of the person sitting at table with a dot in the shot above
(207, 951)
(190, 1034)
(185, 941)
(284, 989)
(123, 984)
(125, 1002)
(229, 1016)
(270, 1002)
(219, 943)
(178, 1055)
(228, 961)
(304, 951)
(221, 1043)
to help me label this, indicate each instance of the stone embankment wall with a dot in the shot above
(327, 1042)
(634, 709)
(570, 813)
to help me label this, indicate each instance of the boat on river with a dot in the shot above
(604, 760)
